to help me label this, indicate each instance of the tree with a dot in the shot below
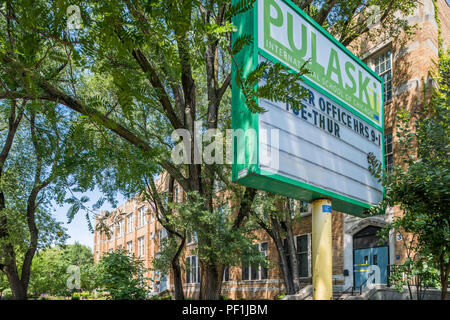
(121, 276)
(33, 158)
(420, 185)
(169, 249)
(417, 271)
(181, 219)
(49, 269)
(3, 283)
(277, 215)
(142, 69)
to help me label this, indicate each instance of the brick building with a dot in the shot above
(405, 67)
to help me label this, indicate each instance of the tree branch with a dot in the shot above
(245, 207)
(325, 11)
(157, 84)
(363, 28)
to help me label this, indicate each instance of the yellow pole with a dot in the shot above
(322, 250)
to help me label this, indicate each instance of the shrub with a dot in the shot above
(7, 293)
(122, 276)
(281, 296)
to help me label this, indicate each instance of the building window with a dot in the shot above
(130, 222)
(382, 65)
(177, 192)
(160, 282)
(255, 272)
(303, 252)
(130, 247)
(162, 239)
(193, 270)
(226, 274)
(120, 228)
(141, 217)
(141, 247)
(191, 237)
(111, 232)
(299, 207)
(152, 211)
(388, 152)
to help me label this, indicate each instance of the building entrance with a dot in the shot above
(367, 252)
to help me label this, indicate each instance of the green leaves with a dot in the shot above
(76, 205)
(420, 182)
(241, 42)
(49, 270)
(240, 7)
(122, 276)
(274, 82)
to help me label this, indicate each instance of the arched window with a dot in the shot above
(368, 238)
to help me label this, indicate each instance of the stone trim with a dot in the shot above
(406, 86)
(379, 47)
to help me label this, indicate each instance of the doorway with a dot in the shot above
(368, 250)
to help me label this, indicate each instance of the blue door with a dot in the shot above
(364, 258)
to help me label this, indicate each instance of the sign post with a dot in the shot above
(322, 250)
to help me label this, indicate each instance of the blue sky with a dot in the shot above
(78, 229)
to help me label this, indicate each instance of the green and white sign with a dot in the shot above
(290, 37)
(321, 150)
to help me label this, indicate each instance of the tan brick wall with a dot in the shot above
(236, 288)
(338, 243)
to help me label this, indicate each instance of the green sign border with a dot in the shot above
(242, 118)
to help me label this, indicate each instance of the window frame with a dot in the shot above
(130, 244)
(299, 206)
(162, 234)
(119, 226)
(141, 247)
(373, 64)
(192, 268)
(248, 269)
(141, 217)
(308, 254)
(191, 238)
(226, 274)
(390, 154)
(130, 222)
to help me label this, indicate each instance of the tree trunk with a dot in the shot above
(445, 271)
(294, 262)
(177, 281)
(18, 288)
(172, 233)
(211, 281)
(444, 289)
(19, 292)
(276, 237)
(291, 247)
(287, 278)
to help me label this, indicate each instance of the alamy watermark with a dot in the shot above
(74, 280)
(74, 21)
(373, 16)
(213, 146)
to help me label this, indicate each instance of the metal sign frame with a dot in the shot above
(245, 169)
